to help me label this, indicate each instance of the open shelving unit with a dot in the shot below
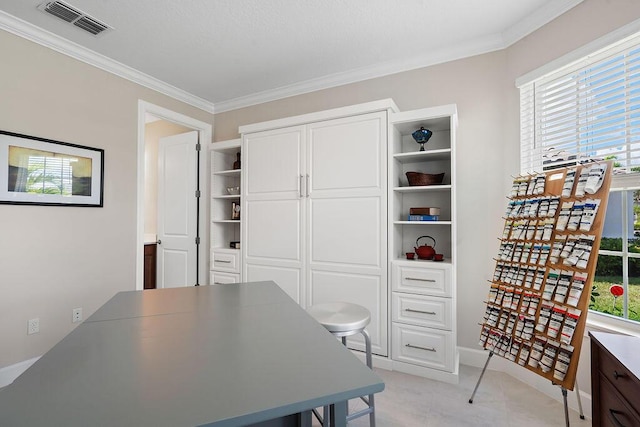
(224, 260)
(423, 292)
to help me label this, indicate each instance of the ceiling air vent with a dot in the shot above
(74, 16)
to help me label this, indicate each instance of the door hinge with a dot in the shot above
(197, 240)
(197, 193)
(198, 146)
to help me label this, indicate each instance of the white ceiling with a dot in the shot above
(233, 53)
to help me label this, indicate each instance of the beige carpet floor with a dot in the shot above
(501, 400)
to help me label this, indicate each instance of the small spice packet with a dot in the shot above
(544, 316)
(563, 217)
(554, 203)
(556, 320)
(550, 284)
(567, 186)
(537, 350)
(562, 288)
(589, 214)
(582, 181)
(570, 324)
(577, 287)
(549, 356)
(539, 279)
(562, 362)
(525, 350)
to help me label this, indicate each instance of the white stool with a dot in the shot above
(344, 319)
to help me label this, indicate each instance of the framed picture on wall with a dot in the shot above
(39, 171)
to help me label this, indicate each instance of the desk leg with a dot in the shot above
(339, 414)
(304, 419)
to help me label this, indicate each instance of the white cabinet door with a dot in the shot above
(347, 217)
(273, 208)
(314, 214)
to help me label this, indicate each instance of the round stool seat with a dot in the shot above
(340, 316)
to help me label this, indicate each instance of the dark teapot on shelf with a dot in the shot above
(425, 251)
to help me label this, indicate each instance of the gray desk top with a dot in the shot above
(225, 355)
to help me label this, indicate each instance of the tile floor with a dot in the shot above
(501, 401)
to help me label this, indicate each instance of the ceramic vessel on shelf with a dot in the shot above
(234, 191)
(425, 251)
(421, 136)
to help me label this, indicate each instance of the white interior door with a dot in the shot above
(177, 210)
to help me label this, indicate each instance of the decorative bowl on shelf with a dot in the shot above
(419, 178)
(234, 191)
(421, 136)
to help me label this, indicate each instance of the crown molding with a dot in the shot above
(536, 20)
(477, 47)
(480, 46)
(45, 38)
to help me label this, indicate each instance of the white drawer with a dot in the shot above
(425, 347)
(220, 278)
(422, 280)
(225, 260)
(434, 312)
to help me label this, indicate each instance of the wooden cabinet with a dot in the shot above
(150, 265)
(615, 380)
(314, 206)
(423, 326)
(225, 212)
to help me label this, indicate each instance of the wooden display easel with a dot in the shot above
(554, 181)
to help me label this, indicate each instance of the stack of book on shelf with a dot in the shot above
(424, 214)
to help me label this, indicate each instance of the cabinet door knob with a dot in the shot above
(159, 241)
(617, 375)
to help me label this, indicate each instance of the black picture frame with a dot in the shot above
(41, 171)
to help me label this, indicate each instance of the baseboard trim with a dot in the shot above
(9, 373)
(478, 358)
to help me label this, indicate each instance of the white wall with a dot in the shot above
(53, 259)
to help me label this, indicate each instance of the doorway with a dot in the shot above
(175, 123)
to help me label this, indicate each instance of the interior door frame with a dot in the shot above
(205, 133)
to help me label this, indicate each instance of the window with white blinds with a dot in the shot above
(585, 111)
(588, 110)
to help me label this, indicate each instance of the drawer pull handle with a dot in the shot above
(617, 375)
(420, 280)
(411, 310)
(222, 261)
(614, 419)
(420, 348)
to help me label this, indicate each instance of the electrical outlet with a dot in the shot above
(76, 315)
(33, 326)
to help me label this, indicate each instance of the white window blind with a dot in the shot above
(588, 110)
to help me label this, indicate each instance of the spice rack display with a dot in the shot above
(225, 218)
(540, 291)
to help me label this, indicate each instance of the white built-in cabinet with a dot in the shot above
(314, 191)
(423, 292)
(224, 261)
(324, 213)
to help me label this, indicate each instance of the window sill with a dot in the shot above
(604, 323)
